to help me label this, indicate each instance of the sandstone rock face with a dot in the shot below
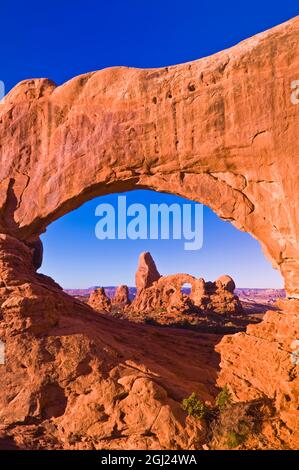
(226, 282)
(121, 296)
(147, 272)
(99, 301)
(221, 130)
(166, 295)
(196, 130)
(75, 380)
(29, 302)
(276, 364)
(93, 383)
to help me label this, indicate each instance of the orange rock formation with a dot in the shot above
(98, 300)
(221, 130)
(155, 292)
(121, 296)
(147, 272)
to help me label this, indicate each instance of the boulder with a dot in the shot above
(226, 282)
(99, 301)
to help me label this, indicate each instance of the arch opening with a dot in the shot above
(92, 263)
(186, 288)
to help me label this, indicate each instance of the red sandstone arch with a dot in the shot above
(221, 130)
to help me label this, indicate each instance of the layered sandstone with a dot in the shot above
(147, 272)
(73, 379)
(166, 294)
(221, 130)
(99, 301)
(216, 130)
(121, 297)
(272, 372)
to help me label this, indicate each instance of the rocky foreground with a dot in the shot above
(166, 301)
(77, 379)
(105, 384)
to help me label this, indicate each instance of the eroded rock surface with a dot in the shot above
(73, 379)
(99, 301)
(221, 130)
(276, 362)
(147, 272)
(166, 293)
(121, 297)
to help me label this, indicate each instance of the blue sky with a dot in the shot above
(59, 40)
(76, 258)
